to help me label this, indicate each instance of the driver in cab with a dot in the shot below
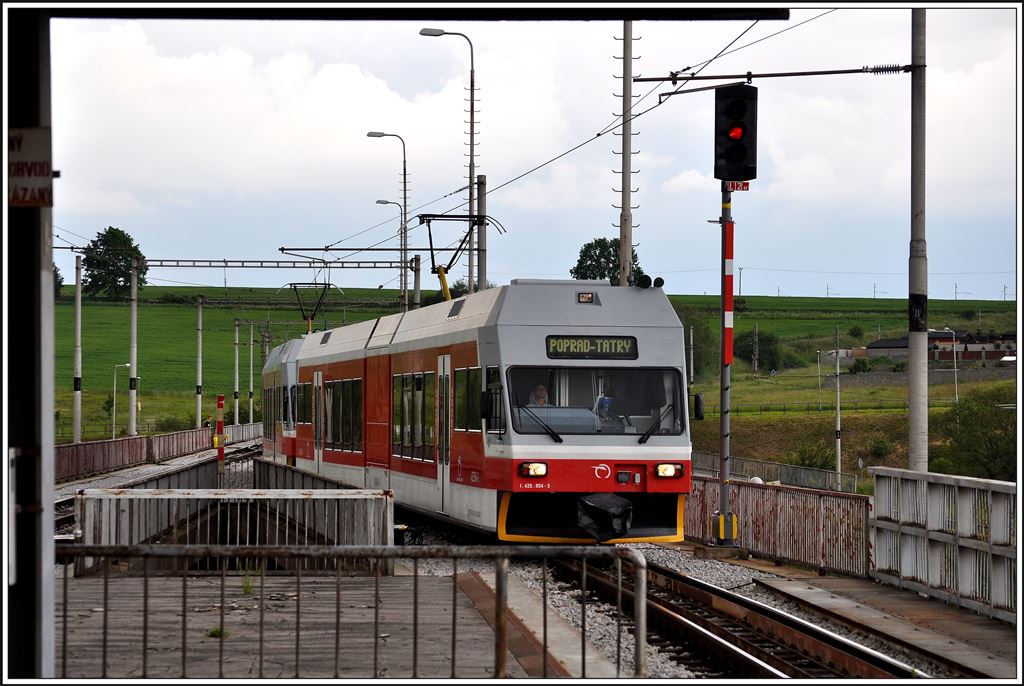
(539, 397)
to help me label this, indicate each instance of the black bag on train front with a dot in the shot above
(604, 515)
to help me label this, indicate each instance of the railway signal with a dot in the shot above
(736, 133)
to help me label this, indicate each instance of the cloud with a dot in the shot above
(690, 181)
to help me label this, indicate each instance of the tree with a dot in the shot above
(107, 263)
(58, 282)
(980, 436)
(599, 259)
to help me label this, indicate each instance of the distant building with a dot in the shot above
(969, 346)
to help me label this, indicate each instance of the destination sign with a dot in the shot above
(592, 347)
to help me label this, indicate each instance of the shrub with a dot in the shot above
(898, 367)
(880, 448)
(170, 424)
(816, 455)
(856, 331)
(860, 365)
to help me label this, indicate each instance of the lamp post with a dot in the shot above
(472, 134)
(404, 303)
(819, 379)
(113, 408)
(404, 233)
(956, 385)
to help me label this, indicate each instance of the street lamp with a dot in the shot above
(956, 385)
(404, 233)
(819, 379)
(472, 134)
(404, 301)
(113, 408)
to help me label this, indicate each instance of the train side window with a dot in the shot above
(495, 413)
(396, 414)
(357, 415)
(334, 404)
(475, 385)
(461, 377)
(429, 403)
(293, 416)
(407, 418)
(345, 417)
(417, 416)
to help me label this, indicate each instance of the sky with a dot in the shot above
(231, 139)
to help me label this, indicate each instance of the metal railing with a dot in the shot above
(241, 517)
(75, 460)
(272, 625)
(788, 474)
(825, 530)
(950, 537)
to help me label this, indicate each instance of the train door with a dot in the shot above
(318, 421)
(444, 427)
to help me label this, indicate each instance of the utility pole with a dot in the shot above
(691, 353)
(481, 210)
(133, 349)
(917, 338)
(251, 420)
(741, 289)
(237, 323)
(839, 476)
(757, 350)
(199, 362)
(77, 388)
(416, 282)
(626, 212)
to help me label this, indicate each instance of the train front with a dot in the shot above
(594, 414)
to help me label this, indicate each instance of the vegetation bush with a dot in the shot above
(899, 367)
(814, 455)
(856, 331)
(978, 437)
(772, 353)
(880, 448)
(860, 365)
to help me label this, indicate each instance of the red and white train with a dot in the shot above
(439, 405)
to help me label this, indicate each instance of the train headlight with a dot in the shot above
(668, 470)
(533, 469)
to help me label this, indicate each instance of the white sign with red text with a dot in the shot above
(29, 168)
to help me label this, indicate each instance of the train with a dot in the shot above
(443, 405)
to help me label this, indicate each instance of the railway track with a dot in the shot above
(742, 637)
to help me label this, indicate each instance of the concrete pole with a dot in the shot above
(199, 362)
(472, 161)
(237, 322)
(77, 409)
(405, 234)
(626, 213)
(250, 374)
(917, 340)
(416, 281)
(133, 350)
(691, 354)
(839, 460)
(481, 207)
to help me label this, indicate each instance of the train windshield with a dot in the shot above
(595, 400)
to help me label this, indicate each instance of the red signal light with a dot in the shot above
(736, 133)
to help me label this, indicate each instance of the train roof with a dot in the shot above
(524, 302)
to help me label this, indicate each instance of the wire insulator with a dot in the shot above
(888, 69)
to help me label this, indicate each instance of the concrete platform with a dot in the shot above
(987, 646)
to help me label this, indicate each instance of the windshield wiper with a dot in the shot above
(547, 429)
(654, 425)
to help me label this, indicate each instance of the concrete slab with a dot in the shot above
(564, 640)
(898, 615)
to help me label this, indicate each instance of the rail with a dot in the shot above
(950, 537)
(151, 627)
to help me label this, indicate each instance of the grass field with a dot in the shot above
(167, 347)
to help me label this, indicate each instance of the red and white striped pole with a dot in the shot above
(218, 439)
(724, 523)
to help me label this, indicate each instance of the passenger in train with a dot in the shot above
(539, 397)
